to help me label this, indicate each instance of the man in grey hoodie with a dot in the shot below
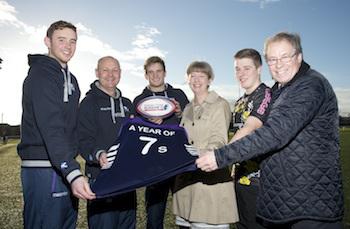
(101, 114)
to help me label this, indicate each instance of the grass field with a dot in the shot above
(11, 196)
(345, 157)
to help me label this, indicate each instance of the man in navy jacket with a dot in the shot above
(156, 195)
(300, 183)
(101, 114)
(48, 144)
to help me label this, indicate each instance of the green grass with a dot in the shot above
(11, 196)
(11, 201)
(345, 158)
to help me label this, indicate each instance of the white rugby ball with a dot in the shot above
(156, 107)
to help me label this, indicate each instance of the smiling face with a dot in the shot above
(247, 74)
(283, 61)
(108, 72)
(199, 82)
(62, 45)
(155, 74)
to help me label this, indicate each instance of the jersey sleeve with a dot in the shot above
(262, 102)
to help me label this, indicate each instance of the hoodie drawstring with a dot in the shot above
(165, 93)
(68, 86)
(115, 114)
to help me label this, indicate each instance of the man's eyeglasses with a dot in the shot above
(283, 59)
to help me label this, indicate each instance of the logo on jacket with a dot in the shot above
(64, 165)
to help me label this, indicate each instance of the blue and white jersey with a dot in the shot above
(144, 154)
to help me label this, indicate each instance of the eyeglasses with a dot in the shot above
(283, 59)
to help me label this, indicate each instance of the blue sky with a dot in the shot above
(180, 31)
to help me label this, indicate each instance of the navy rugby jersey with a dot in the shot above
(144, 154)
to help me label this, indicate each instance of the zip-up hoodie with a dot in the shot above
(169, 92)
(100, 118)
(49, 120)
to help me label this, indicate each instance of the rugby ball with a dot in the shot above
(156, 107)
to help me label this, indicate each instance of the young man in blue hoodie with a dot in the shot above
(49, 172)
(101, 114)
(156, 195)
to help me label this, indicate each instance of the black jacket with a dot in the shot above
(100, 119)
(301, 175)
(49, 120)
(169, 92)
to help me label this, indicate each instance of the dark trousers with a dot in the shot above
(246, 203)
(156, 197)
(306, 224)
(114, 212)
(48, 202)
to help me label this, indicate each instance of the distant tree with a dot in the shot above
(0, 62)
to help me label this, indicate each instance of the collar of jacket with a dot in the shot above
(211, 98)
(96, 87)
(166, 87)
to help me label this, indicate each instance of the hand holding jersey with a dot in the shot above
(107, 159)
(207, 161)
(81, 189)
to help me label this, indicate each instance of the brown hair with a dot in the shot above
(250, 54)
(58, 25)
(153, 60)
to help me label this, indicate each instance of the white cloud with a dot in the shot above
(8, 17)
(343, 95)
(83, 29)
(261, 3)
(145, 44)
(148, 31)
(142, 41)
(145, 37)
(7, 13)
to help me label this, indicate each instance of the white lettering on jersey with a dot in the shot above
(146, 129)
(132, 127)
(150, 141)
(168, 133)
(162, 149)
